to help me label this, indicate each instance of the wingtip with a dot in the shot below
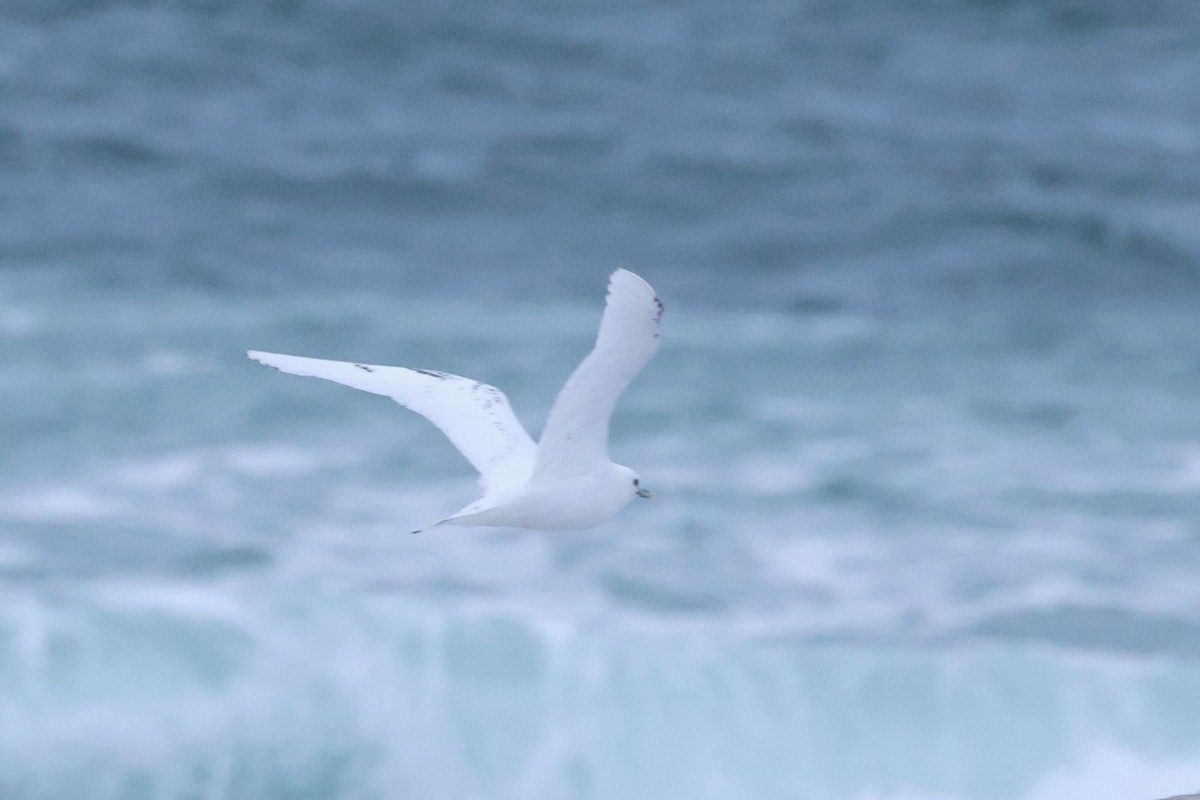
(262, 357)
(627, 279)
(622, 273)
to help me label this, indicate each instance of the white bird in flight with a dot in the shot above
(565, 481)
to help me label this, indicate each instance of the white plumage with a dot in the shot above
(566, 481)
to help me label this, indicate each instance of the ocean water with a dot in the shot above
(924, 428)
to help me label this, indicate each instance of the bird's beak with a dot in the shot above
(646, 493)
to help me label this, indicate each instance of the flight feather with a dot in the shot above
(475, 417)
(575, 439)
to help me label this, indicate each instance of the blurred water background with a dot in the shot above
(924, 426)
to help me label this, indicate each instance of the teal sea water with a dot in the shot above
(924, 428)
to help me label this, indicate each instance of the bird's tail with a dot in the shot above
(431, 527)
(467, 515)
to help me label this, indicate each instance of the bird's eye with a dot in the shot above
(635, 481)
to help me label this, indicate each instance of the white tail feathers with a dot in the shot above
(430, 527)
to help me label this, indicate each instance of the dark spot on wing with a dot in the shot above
(433, 373)
(365, 368)
(492, 400)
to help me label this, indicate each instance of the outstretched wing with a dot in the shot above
(475, 417)
(575, 440)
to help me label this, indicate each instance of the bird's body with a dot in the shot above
(562, 504)
(564, 482)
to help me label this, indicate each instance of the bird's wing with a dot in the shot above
(475, 417)
(575, 440)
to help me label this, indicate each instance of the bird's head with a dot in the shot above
(635, 485)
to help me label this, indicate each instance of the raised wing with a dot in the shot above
(575, 440)
(475, 417)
